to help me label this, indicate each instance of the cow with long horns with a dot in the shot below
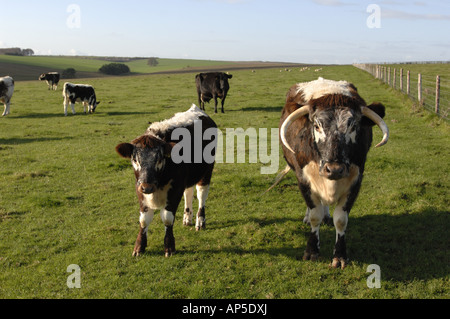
(326, 133)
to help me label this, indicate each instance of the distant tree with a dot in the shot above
(69, 73)
(115, 69)
(27, 52)
(153, 61)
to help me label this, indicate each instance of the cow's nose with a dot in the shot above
(145, 188)
(334, 171)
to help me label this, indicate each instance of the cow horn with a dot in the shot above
(289, 120)
(378, 121)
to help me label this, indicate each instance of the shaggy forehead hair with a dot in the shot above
(321, 87)
(182, 119)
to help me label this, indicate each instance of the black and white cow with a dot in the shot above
(326, 131)
(6, 92)
(163, 176)
(52, 79)
(83, 93)
(212, 85)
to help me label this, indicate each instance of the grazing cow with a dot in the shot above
(52, 79)
(212, 85)
(79, 93)
(6, 92)
(162, 178)
(326, 133)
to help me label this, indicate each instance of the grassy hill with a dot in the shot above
(29, 68)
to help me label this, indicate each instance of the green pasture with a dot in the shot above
(29, 67)
(67, 198)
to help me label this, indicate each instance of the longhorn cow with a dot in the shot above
(326, 133)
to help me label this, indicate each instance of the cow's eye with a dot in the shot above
(317, 127)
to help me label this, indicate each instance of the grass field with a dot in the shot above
(29, 68)
(67, 198)
(428, 73)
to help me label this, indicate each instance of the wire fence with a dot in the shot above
(431, 92)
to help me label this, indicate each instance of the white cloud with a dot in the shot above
(396, 14)
(331, 3)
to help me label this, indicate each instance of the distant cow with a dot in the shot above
(6, 92)
(162, 178)
(212, 85)
(79, 93)
(52, 79)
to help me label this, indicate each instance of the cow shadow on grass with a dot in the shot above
(262, 108)
(18, 141)
(405, 246)
(79, 113)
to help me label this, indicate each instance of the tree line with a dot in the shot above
(17, 52)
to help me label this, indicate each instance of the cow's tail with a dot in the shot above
(279, 178)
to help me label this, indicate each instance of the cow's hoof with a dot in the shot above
(309, 256)
(187, 222)
(169, 253)
(200, 223)
(138, 251)
(338, 263)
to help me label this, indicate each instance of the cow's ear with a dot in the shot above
(377, 108)
(98, 102)
(125, 150)
(168, 149)
(229, 76)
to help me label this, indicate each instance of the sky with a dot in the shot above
(309, 31)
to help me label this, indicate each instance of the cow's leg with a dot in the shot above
(6, 110)
(201, 104)
(188, 211)
(215, 104)
(168, 219)
(316, 215)
(84, 107)
(145, 218)
(223, 102)
(72, 105)
(326, 218)
(202, 194)
(340, 219)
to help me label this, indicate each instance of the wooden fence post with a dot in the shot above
(438, 89)
(394, 80)
(401, 80)
(408, 82)
(419, 88)
(389, 76)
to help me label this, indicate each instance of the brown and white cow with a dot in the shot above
(167, 167)
(326, 132)
(6, 92)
